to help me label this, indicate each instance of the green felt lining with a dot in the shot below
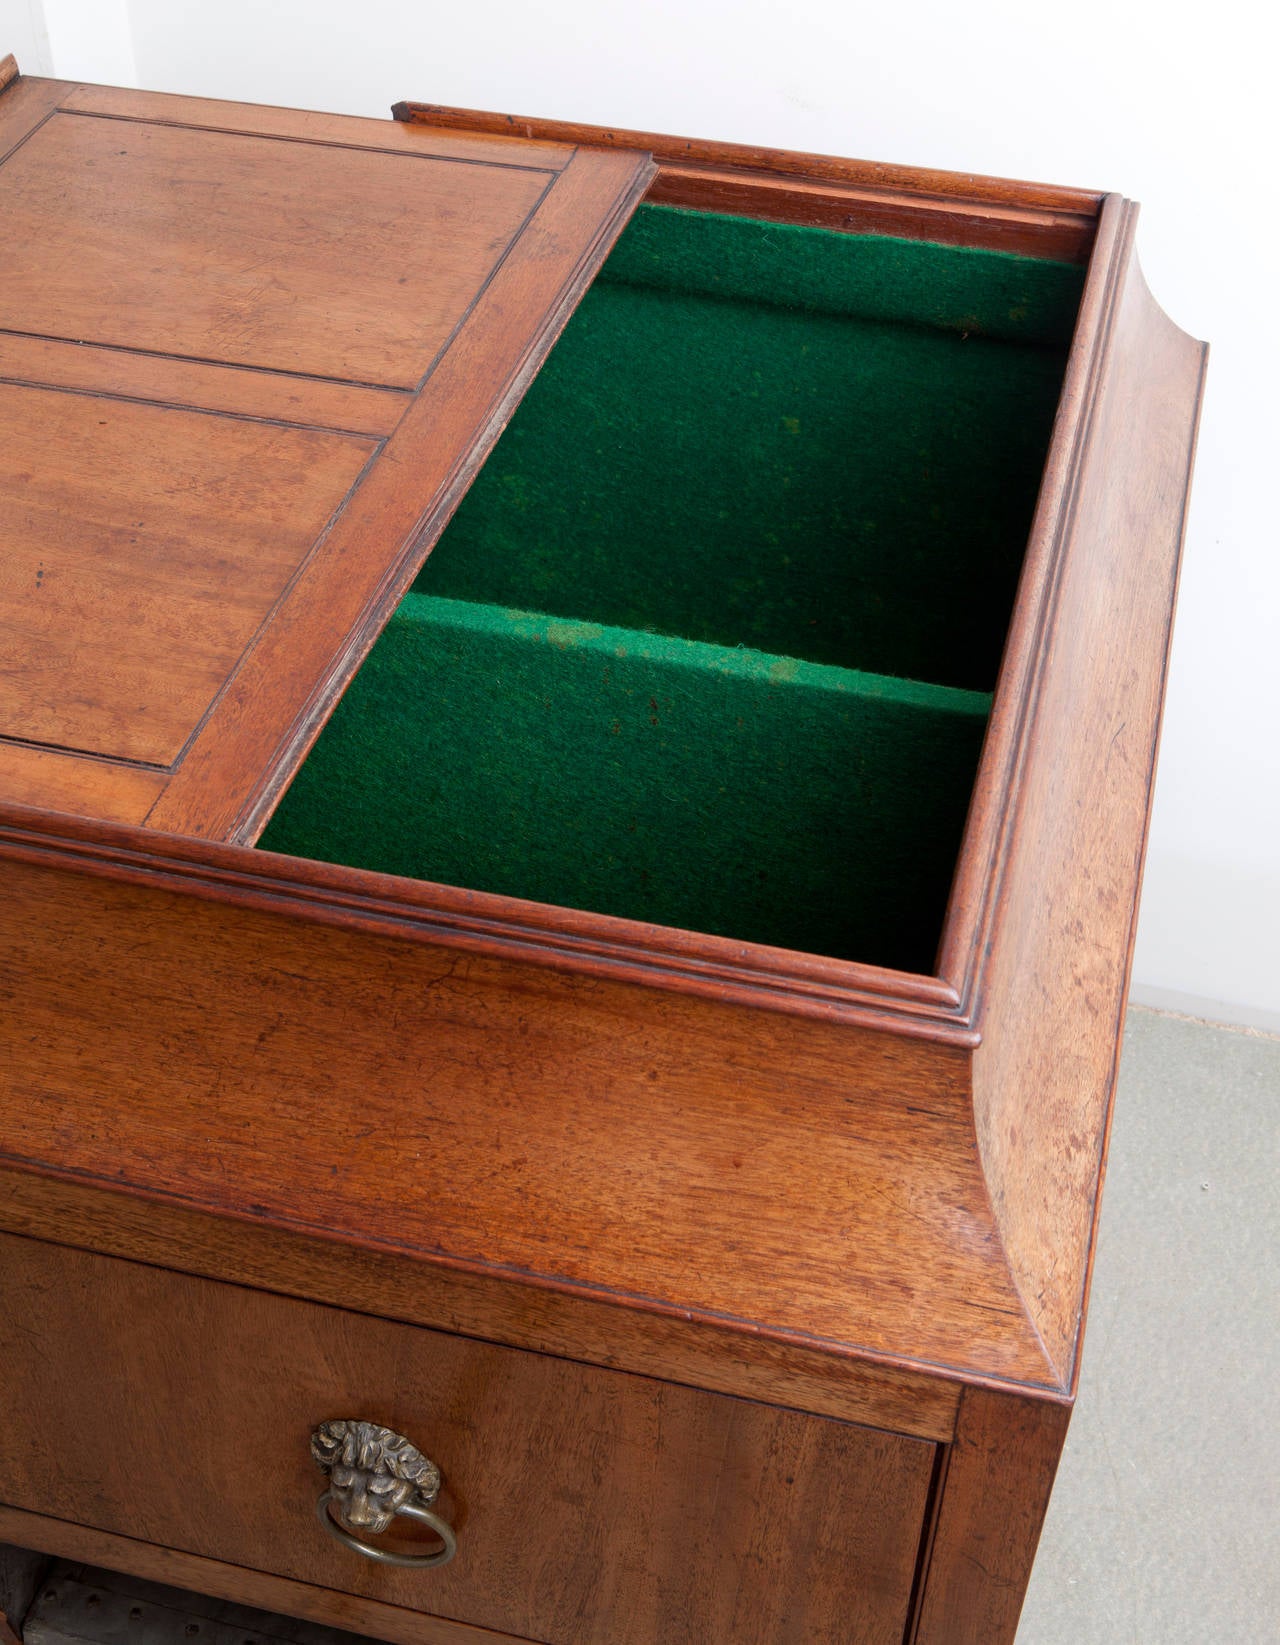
(706, 787)
(816, 481)
(973, 292)
(666, 662)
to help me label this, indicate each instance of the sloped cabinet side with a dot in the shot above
(1050, 998)
(761, 1172)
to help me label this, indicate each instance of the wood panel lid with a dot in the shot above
(249, 361)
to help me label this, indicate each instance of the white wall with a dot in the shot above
(91, 40)
(23, 33)
(1171, 108)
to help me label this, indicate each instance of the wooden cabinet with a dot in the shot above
(573, 774)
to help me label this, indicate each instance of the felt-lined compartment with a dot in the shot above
(821, 445)
(709, 641)
(668, 780)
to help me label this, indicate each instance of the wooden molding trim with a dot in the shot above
(686, 151)
(818, 190)
(988, 839)
(210, 1576)
(747, 1365)
(711, 967)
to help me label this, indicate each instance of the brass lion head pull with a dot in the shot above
(374, 1475)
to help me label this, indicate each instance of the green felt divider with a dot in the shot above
(816, 444)
(707, 787)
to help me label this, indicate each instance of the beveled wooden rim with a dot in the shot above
(485, 923)
(670, 151)
(849, 196)
(989, 831)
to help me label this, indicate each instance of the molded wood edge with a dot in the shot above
(672, 150)
(1059, 948)
(9, 71)
(66, 1540)
(920, 1007)
(965, 943)
(820, 191)
(114, 1222)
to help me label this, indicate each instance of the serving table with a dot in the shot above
(576, 735)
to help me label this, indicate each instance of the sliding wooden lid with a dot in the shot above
(249, 361)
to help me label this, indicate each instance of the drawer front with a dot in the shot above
(589, 1505)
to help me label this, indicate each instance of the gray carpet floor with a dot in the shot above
(1164, 1527)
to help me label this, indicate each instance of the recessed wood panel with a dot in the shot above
(274, 396)
(313, 126)
(56, 780)
(293, 256)
(141, 548)
(174, 599)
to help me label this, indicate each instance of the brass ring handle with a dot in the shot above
(376, 1475)
(385, 1556)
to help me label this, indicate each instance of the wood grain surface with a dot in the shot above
(277, 397)
(310, 258)
(590, 1507)
(1051, 993)
(171, 574)
(144, 549)
(58, 780)
(995, 1489)
(810, 1181)
(602, 1332)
